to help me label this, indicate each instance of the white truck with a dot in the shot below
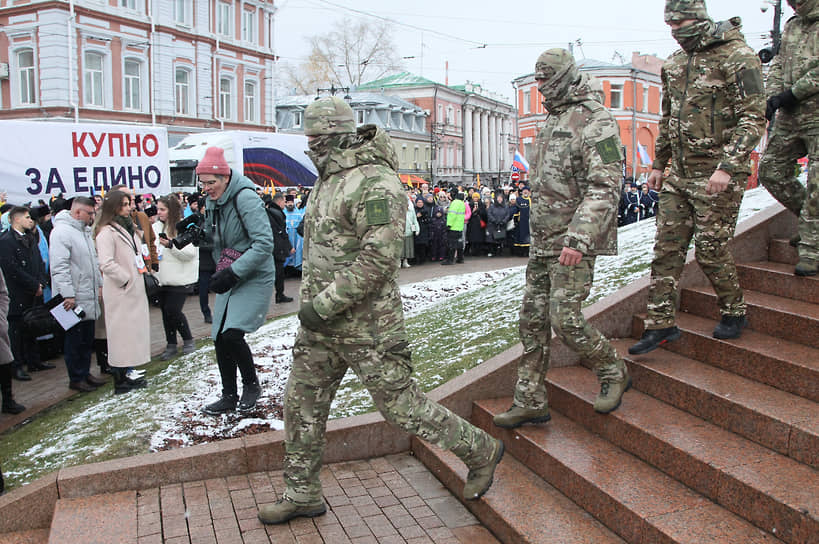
(269, 159)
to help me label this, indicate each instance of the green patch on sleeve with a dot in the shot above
(378, 212)
(750, 82)
(608, 149)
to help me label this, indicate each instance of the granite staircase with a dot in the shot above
(718, 441)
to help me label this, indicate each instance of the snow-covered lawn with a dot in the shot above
(454, 323)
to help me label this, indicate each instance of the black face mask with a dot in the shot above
(690, 37)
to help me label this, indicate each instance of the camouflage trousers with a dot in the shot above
(789, 141)
(552, 298)
(319, 364)
(687, 211)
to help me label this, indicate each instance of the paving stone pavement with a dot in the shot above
(50, 387)
(385, 500)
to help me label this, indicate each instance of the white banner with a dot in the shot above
(39, 160)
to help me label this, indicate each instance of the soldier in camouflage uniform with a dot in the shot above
(712, 117)
(575, 186)
(793, 91)
(351, 314)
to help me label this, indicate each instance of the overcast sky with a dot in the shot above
(491, 43)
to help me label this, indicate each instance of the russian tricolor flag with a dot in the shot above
(519, 163)
(643, 153)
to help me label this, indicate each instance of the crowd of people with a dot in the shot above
(637, 202)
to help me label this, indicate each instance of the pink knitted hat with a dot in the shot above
(213, 162)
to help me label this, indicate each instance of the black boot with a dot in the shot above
(20, 374)
(652, 339)
(9, 406)
(121, 383)
(222, 406)
(101, 350)
(730, 326)
(250, 394)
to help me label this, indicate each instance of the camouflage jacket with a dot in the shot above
(353, 238)
(575, 178)
(713, 108)
(796, 67)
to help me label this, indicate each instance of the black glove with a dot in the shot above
(223, 281)
(785, 100)
(310, 319)
(155, 267)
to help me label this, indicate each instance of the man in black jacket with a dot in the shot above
(281, 243)
(26, 276)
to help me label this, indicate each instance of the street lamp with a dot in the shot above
(767, 54)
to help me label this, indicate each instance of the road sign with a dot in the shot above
(515, 176)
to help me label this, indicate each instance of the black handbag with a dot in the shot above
(151, 284)
(39, 321)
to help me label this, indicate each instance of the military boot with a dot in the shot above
(654, 338)
(806, 267)
(516, 416)
(611, 392)
(730, 326)
(480, 479)
(284, 510)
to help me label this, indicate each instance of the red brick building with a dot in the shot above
(633, 94)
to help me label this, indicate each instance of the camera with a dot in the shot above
(79, 312)
(191, 231)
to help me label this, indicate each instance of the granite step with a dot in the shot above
(635, 500)
(782, 364)
(32, 536)
(99, 519)
(778, 279)
(781, 317)
(781, 421)
(771, 491)
(520, 508)
(781, 251)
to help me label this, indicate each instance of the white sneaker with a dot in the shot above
(134, 374)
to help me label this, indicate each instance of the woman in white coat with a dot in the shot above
(127, 321)
(178, 271)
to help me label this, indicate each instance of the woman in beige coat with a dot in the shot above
(127, 321)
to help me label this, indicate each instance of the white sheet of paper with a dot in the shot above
(66, 318)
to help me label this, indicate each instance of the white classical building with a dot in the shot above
(472, 130)
(186, 64)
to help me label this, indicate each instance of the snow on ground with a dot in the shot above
(454, 323)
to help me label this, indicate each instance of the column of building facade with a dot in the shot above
(493, 142)
(468, 165)
(476, 139)
(485, 141)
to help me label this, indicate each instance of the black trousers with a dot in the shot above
(6, 373)
(453, 245)
(171, 301)
(79, 343)
(232, 352)
(279, 277)
(23, 345)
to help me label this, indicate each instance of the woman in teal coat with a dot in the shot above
(245, 272)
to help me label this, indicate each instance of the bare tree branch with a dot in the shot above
(353, 52)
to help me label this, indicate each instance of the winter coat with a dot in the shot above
(522, 233)
(245, 306)
(475, 234)
(648, 202)
(278, 225)
(5, 346)
(713, 107)
(631, 207)
(455, 215)
(24, 270)
(424, 220)
(575, 176)
(411, 226)
(127, 320)
(177, 267)
(353, 239)
(496, 218)
(437, 221)
(75, 270)
(795, 66)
